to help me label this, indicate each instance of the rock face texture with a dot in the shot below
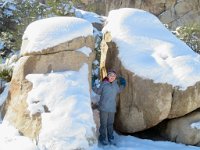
(184, 102)
(185, 12)
(172, 12)
(62, 57)
(154, 6)
(183, 129)
(143, 103)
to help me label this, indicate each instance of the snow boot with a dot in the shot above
(112, 141)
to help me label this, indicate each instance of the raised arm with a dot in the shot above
(98, 90)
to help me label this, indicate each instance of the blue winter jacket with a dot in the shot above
(108, 92)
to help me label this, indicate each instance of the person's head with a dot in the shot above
(111, 76)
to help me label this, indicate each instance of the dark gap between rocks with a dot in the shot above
(151, 133)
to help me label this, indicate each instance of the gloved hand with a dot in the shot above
(122, 81)
(96, 83)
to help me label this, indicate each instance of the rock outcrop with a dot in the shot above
(183, 129)
(185, 12)
(172, 12)
(154, 6)
(62, 57)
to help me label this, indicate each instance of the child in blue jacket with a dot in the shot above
(108, 91)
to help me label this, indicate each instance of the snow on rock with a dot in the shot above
(10, 139)
(149, 50)
(96, 62)
(133, 143)
(195, 125)
(63, 98)
(4, 95)
(89, 16)
(46, 33)
(85, 50)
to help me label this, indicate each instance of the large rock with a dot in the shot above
(64, 57)
(171, 12)
(185, 12)
(154, 6)
(143, 103)
(183, 129)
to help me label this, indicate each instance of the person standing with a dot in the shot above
(108, 90)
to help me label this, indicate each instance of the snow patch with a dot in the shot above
(85, 50)
(195, 125)
(50, 32)
(10, 139)
(149, 50)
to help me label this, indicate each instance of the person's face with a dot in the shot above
(111, 77)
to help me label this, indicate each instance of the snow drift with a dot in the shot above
(68, 122)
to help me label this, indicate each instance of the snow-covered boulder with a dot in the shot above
(162, 72)
(56, 34)
(67, 47)
(184, 129)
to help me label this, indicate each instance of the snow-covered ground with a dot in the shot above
(150, 50)
(11, 140)
(133, 143)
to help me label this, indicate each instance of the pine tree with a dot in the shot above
(190, 35)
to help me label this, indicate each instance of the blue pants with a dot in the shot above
(106, 126)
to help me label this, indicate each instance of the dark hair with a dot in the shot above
(105, 79)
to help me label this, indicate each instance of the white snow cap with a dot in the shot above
(50, 32)
(150, 50)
